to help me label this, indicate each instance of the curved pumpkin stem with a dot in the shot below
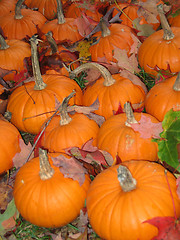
(108, 79)
(168, 34)
(126, 180)
(46, 171)
(130, 115)
(18, 14)
(52, 42)
(3, 43)
(60, 15)
(104, 28)
(65, 118)
(39, 84)
(176, 86)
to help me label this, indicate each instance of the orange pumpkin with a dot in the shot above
(66, 130)
(174, 21)
(9, 145)
(112, 91)
(44, 196)
(121, 198)
(63, 29)
(12, 54)
(117, 35)
(32, 103)
(21, 23)
(117, 137)
(7, 6)
(163, 96)
(161, 50)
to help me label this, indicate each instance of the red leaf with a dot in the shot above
(169, 228)
(178, 186)
(146, 128)
(70, 168)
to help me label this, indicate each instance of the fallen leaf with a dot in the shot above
(146, 128)
(144, 30)
(20, 158)
(168, 227)
(70, 168)
(6, 195)
(78, 236)
(178, 186)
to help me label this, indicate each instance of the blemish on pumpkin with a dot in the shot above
(22, 181)
(129, 142)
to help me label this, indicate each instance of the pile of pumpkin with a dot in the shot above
(124, 196)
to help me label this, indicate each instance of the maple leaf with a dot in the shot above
(20, 158)
(125, 62)
(146, 128)
(70, 168)
(144, 30)
(169, 228)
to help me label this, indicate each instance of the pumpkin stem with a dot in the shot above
(65, 118)
(126, 180)
(129, 114)
(3, 43)
(176, 86)
(60, 15)
(46, 171)
(104, 28)
(39, 84)
(52, 42)
(108, 79)
(18, 14)
(168, 34)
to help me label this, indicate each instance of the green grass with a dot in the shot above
(146, 78)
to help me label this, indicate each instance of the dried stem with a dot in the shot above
(60, 15)
(46, 171)
(104, 28)
(108, 79)
(3, 43)
(176, 86)
(168, 34)
(39, 84)
(18, 14)
(52, 42)
(127, 182)
(130, 115)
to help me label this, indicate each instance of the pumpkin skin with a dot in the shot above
(115, 214)
(174, 21)
(53, 202)
(21, 28)
(162, 97)
(78, 131)
(9, 145)
(12, 58)
(118, 139)
(120, 36)
(7, 6)
(33, 102)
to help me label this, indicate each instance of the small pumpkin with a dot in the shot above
(123, 197)
(117, 137)
(161, 50)
(32, 103)
(21, 23)
(12, 54)
(112, 91)
(163, 96)
(9, 144)
(67, 130)
(63, 29)
(46, 198)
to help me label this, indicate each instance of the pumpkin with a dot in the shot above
(46, 198)
(12, 54)
(21, 23)
(32, 103)
(117, 137)
(9, 144)
(163, 96)
(116, 35)
(174, 21)
(161, 50)
(130, 12)
(63, 29)
(123, 197)
(66, 130)
(7, 6)
(112, 91)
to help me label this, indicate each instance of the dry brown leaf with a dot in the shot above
(144, 30)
